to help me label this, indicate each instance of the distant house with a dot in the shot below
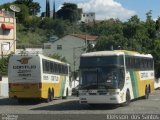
(70, 47)
(88, 17)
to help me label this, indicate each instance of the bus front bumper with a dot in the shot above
(99, 99)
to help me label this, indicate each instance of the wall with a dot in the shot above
(7, 36)
(4, 87)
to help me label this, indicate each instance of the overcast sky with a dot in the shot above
(105, 9)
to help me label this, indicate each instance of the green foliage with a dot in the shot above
(22, 16)
(32, 22)
(108, 42)
(5, 6)
(4, 66)
(57, 27)
(47, 8)
(30, 36)
(70, 12)
(134, 34)
(33, 7)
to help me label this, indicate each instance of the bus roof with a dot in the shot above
(42, 57)
(115, 53)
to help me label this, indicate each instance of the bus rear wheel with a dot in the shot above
(146, 96)
(49, 98)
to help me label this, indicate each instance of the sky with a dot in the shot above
(105, 9)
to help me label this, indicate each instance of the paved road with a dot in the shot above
(66, 109)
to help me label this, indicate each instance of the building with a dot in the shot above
(70, 47)
(87, 17)
(7, 33)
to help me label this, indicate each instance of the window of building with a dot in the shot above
(59, 47)
(5, 46)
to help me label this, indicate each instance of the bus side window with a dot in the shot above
(56, 67)
(47, 66)
(44, 66)
(0, 78)
(51, 67)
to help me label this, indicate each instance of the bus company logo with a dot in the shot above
(24, 60)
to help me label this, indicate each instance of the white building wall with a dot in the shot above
(4, 87)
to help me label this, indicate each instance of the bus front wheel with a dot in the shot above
(128, 99)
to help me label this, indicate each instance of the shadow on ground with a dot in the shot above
(10, 101)
(74, 105)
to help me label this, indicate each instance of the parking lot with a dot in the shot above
(70, 107)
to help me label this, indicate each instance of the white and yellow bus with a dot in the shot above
(115, 77)
(38, 76)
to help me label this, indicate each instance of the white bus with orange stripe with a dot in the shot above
(115, 77)
(38, 76)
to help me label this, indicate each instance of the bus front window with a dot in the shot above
(112, 77)
(108, 77)
(102, 72)
(88, 78)
(104, 77)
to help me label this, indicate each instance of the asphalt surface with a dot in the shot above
(70, 109)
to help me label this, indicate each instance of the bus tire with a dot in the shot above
(52, 95)
(128, 99)
(49, 98)
(146, 96)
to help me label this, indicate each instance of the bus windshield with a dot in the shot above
(99, 75)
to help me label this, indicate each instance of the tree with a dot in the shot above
(47, 8)
(110, 42)
(21, 16)
(32, 23)
(70, 12)
(156, 54)
(151, 26)
(158, 24)
(33, 7)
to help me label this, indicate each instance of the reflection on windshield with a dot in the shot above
(104, 77)
(89, 77)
